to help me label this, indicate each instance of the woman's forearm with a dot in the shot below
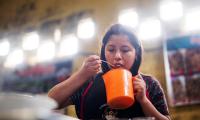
(61, 92)
(150, 111)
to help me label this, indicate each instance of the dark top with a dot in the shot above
(90, 100)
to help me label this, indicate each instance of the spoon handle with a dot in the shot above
(107, 63)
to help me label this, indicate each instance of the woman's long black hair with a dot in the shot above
(118, 29)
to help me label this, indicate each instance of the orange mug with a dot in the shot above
(119, 88)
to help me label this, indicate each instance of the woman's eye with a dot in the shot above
(111, 49)
(125, 49)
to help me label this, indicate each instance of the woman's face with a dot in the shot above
(120, 52)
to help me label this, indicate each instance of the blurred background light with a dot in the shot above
(171, 10)
(192, 20)
(68, 46)
(57, 35)
(149, 29)
(86, 28)
(4, 47)
(46, 51)
(128, 17)
(15, 58)
(30, 41)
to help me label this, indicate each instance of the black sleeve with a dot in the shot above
(76, 97)
(157, 97)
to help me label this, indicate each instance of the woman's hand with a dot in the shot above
(91, 66)
(139, 87)
(148, 108)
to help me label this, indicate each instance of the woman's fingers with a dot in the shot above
(94, 67)
(137, 82)
(139, 87)
(93, 58)
(92, 64)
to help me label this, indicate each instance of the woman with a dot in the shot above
(85, 88)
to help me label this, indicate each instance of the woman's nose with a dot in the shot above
(118, 55)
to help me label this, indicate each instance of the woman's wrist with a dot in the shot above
(144, 100)
(83, 74)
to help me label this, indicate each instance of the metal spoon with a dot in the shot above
(108, 63)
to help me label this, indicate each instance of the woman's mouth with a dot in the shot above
(118, 65)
